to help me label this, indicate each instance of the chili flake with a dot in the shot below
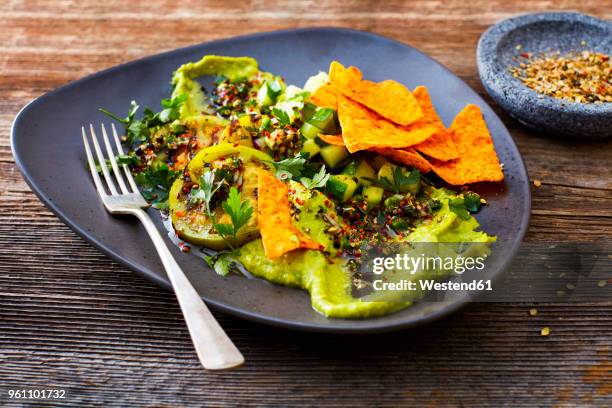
(577, 77)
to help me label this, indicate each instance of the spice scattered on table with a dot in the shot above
(533, 312)
(545, 331)
(582, 77)
(602, 283)
(537, 183)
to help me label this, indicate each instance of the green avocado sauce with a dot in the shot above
(184, 79)
(328, 280)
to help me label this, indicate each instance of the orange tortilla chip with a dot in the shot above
(440, 145)
(390, 99)
(408, 157)
(363, 129)
(477, 158)
(278, 233)
(335, 140)
(343, 77)
(325, 96)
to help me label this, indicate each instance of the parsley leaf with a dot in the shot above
(457, 205)
(222, 262)
(472, 201)
(383, 182)
(292, 167)
(402, 180)
(206, 190)
(317, 181)
(463, 206)
(138, 131)
(130, 117)
(281, 115)
(155, 182)
(170, 113)
(240, 213)
(127, 159)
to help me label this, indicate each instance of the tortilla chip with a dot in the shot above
(408, 157)
(364, 129)
(477, 158)
(278, 233)
(341, 77)
(325, 96)
(440, 145)
(390, 99)
(335, 140)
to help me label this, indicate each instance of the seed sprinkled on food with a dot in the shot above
(533, 312)
(545, 331)
(582, 77)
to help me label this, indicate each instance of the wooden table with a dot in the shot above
(71, 318)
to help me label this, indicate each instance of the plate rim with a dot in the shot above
(372, 327)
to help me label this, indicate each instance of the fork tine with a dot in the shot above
(128, 173)
(111, 156)
(92, 166)
(102, 161)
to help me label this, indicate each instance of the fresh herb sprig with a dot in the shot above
(282, 116)
(156, 178)
(400, 180)
(319, 180)
(463, 206)
(298, 168)
(240, 212)
(155, 182)
(207, 187)
(291, 167)
(138, 131)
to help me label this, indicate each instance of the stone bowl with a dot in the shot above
(498, 49)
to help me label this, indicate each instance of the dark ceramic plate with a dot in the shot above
(48, 149)
(544, 33)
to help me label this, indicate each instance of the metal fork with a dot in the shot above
(213, 347)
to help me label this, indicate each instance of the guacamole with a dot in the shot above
(241, 163)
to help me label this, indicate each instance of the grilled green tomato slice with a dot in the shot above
(190, 220)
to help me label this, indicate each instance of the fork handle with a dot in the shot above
(213, 347)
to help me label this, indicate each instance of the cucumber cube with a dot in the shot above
(363, 172)
(311, 147)
(386, 171)
(373, 196)
(310, 131)
(341, 187)
(334, 155)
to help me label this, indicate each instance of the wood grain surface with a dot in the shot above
(71, 318)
